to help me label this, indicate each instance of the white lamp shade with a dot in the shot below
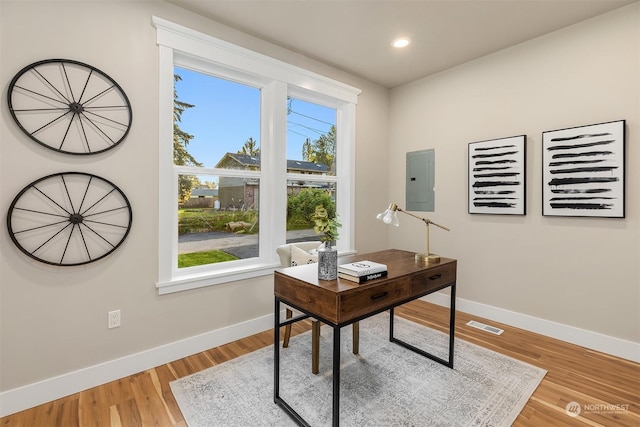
(389, 217)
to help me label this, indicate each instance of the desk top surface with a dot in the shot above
(399, 263)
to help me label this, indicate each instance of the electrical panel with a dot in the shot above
(420, 192)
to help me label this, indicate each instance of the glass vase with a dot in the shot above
(328, 262)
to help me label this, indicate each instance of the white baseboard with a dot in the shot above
(31, 395)
(593, 340)
(19, 399)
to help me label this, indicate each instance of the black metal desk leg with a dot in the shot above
(391, 312)
(336, 376)
(452, 323)
(276, 351)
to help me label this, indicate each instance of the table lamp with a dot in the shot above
(390, 217)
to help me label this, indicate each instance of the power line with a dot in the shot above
(301, 134)
(310, 117)
(319, 132)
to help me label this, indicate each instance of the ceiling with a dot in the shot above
(355, 35)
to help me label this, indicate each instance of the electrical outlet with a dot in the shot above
(113, 319)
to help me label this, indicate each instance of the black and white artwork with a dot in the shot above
(583, 171)
(497, 176)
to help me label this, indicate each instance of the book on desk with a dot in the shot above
(362, 279)
(362, 271)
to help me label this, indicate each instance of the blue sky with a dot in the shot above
(226, 114)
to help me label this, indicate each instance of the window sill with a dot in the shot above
(194, 281)
(201, 280)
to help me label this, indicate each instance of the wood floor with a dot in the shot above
(607, 388)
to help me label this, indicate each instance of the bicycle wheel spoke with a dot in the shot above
(105, 118)
(40, 212)
(84, 242)
(26, 230)
(66, 189)
(35, 70)
(83, 133)
(99, 235)
(50, 123)
(98, 201)
(66, 79)
(33, 110)
(41, 95)
(66, 246)
(108, 224)
(50, 238)
(96, 127)
(103, 212)
(99, 94)
(66, 132)
(84, 196)
(105, 107)
(86, 83)
(52, 201)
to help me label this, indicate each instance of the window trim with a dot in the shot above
(178, 45)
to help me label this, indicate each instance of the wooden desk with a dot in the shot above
(340, 303)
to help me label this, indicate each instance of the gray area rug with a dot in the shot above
(385, 385)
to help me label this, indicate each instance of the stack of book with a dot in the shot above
(362, 271)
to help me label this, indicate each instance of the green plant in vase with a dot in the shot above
(328, 255)
(325, 225)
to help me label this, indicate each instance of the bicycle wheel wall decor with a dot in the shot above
(69, 106)
(69, 218)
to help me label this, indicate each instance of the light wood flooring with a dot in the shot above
(606, 387)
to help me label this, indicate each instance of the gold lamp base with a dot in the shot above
(431, 258)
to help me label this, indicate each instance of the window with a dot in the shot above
(311, 165)
(274, 132)
(217, 126)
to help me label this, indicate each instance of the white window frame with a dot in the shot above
(184, 47)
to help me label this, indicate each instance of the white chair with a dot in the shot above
(284, 252)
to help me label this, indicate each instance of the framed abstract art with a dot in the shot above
(497, 176)
(583, 171)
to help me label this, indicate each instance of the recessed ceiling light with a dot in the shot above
(401, 42)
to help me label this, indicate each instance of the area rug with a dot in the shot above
(385, 385)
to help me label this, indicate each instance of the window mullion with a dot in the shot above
(274, 163)
(345, 167)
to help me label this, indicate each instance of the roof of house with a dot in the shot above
(303, 166)
(245, 160)
(248, 160)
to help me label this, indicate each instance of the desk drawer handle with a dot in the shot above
(435, 276)
(380, 295)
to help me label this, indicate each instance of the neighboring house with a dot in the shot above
(243, 193)
(239, 161)
(202, 198)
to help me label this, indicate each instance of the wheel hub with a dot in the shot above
(76, 218)
(76, 107)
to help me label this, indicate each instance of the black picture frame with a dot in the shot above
(583, 171)
(497, 176)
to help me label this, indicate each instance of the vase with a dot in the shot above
(327, 262)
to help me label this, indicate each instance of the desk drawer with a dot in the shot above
(366, 300)
(432, 279)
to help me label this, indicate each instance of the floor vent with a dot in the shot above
(491, 329)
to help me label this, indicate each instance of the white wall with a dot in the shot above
(53, 321)
(578, 272)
